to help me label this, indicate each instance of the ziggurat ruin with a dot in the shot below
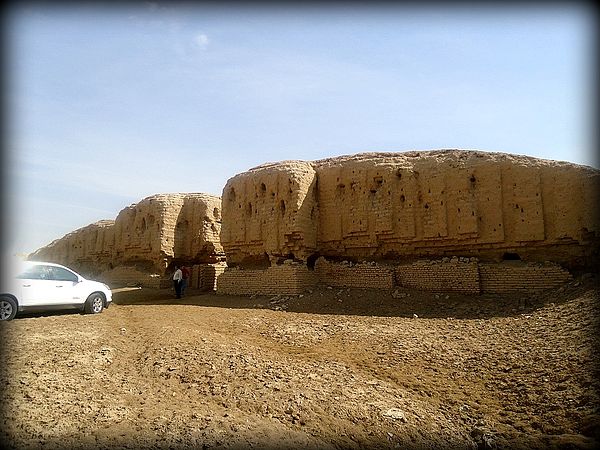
(145, 240)
(444, 220)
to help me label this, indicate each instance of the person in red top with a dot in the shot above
(185, 274)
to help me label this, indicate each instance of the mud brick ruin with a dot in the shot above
(446, 220)
(145, 241)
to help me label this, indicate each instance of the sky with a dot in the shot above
(107, 105)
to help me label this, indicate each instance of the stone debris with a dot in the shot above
(395, 413)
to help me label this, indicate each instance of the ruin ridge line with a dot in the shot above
(398, 206)
(379, 206)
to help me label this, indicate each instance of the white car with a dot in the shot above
(43, 286)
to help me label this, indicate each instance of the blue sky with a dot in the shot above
(108, 105)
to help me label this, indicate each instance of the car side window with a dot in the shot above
(60, 274)
(35, 273)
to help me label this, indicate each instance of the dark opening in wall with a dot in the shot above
(511, 257)
(311, 260)
(282, 259)
(253, 262)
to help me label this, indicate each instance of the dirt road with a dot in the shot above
(335, 368)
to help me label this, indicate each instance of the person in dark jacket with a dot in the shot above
(185, 275)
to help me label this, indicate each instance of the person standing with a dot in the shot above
(177, 277)
(185, 275)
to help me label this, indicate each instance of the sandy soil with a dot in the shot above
(335, 368)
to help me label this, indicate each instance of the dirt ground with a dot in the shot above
(335, 368)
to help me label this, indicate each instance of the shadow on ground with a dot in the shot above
(368, 302)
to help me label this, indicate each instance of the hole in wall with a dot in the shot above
(311, 260)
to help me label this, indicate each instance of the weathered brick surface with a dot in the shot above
(458, 274)
(204, 276)
(129, 276)
(401, 206)
(270, 210)
(279, 279)
(148, 236)
(362, 275)
(281, 220)
(447, 275)
(88, 249)
(393, 208)
(519, 277)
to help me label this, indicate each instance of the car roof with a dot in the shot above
(25, 264)
(42, 262)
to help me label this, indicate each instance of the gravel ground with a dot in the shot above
(334, 368)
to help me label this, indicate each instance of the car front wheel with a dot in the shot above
(8, 308)
(94, 304)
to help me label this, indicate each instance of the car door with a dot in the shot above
(64, 286)
(46, 285)
(34, 285)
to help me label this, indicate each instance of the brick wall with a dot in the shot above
(464, 275)
(288, 278)
(364, 275)
(521, 277)
(445, 275)
(204, 276)
(129, 276)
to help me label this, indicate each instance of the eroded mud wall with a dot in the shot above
(148, 236)
(269, 213)
(402, 206)
(451, 202)
(89, 249)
